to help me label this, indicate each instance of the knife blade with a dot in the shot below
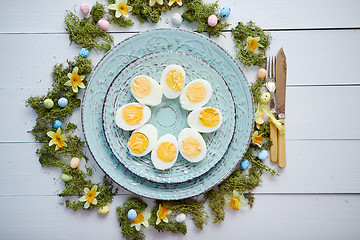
(280, 72)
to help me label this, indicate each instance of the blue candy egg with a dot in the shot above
(84, 52)
(225, 12)
(263, 155)
(244, 164)
(132, 214)
(57, 124)
(62, 102)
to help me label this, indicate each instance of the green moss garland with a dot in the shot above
(216, 203)
(97, 11)
(240, 34)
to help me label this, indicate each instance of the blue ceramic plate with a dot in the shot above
(168, 116)
(154, 41)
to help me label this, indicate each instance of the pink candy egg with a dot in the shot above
(103, 24)
(212, 20)
(84, 8)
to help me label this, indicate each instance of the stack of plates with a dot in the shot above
(148, 53)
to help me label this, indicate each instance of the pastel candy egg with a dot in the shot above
(212, 20)
(48, 103)
(66, 177)
(74, 163)
(84, 52)
(225, 12)
(261, 73)
(104, 24)
(62, 102)
(265, 97)
(57, 124)
(180, 218)
(84, 9)
(104, 210)
(176, 19)
(263, 155)
(131, 214)
(244, 164)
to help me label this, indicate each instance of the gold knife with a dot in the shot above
(280, 72)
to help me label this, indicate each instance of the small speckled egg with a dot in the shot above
(132, 214)
(180, 218)
(263, 155)
(84, 52)
(261, 73)
(104, 24)
(176, 19)
(66, 177)
(62, 102)
(103, 210)
(74, 162)
(212, 20)
(48, 103)
(225, 12)
(57, 124)
(84, 9)
(244, 164)
(265, 97)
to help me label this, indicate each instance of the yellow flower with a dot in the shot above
(57, 138)
(141, 219)
(179, 2)
(75, 80)
(89, 197)
(259, 117)
(253, 44)
(121, 8)
(257, 139)
(152, 2)
(236, 201)
(161, 214)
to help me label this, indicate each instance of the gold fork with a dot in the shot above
(271, 86)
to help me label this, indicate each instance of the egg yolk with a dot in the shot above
(209, 117)
(166, 152)
(196, 92)
(141, 87)
(132, 114)
(138, 142)
(175, 80)
(191, 147)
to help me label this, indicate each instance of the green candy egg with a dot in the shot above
(104, 210)
(66, 177)
(48, 103)
(265, 97)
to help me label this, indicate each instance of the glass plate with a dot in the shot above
(165, 40)
(168, 116)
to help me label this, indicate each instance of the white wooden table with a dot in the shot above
(316, 196)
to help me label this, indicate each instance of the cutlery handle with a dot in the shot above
(281, 150)
(274, 146)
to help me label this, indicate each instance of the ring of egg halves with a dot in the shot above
(172, 81)
(146, 90)
(132, 116)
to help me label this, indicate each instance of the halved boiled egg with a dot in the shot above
(205, 120)
(173, 81)
(142, 140)
(146, 90)
(165, 152)
(192, 145)
(132, 116)
(196, 94)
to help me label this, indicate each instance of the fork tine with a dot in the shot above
(272, 67)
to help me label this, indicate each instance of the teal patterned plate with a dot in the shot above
(168, 116)
(154, 41)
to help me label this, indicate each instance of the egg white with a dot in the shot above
(120, 122)
(151, 132)
(194, 122)
(155, 95)
(159, 164)
(189, 132)
(189, 105)
(168, 92)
